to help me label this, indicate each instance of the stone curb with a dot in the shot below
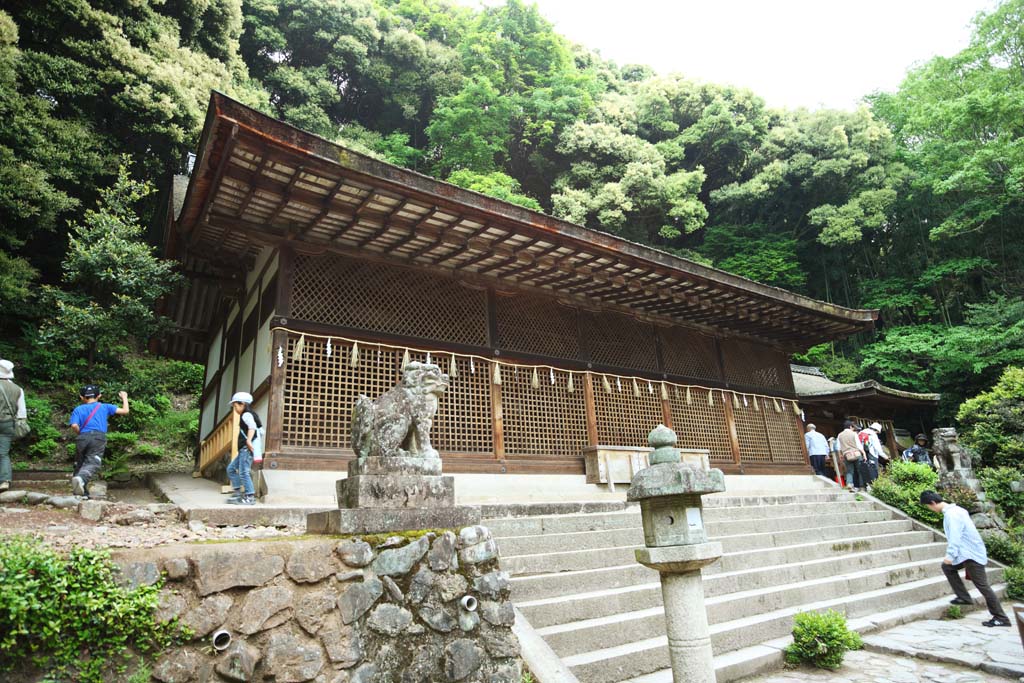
(542, 661)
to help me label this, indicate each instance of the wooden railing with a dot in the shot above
(219, 442)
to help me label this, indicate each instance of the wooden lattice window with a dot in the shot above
(700, 425)
(751, 431)
(533, 324)
(754, 365)
(785, 435)
(347, 292)
(618, 340)
(546, 421)
(624, 418)
(688, 353)
(320, 390)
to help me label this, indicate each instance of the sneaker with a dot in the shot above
(248, 500)
(77, 486)
(996, 621)
(959, 601)
(4, 485)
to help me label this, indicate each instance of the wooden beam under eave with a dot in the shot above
(213, 187)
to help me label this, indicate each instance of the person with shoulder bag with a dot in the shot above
(240, 468)
(13, 420)
(853, 455)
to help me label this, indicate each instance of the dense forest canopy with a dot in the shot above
(911, 204)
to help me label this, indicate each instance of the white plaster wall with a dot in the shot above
(264, 354)
(206, 425)
(213, 357)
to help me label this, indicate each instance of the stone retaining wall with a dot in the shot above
(336, 611)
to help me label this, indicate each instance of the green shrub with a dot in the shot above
(69, 616)
(121, 447)
(905, 498)
(149, 451)
(42, 442)
(954, 612)
(913, 475)
(821, 639)
(1003, 548)
(148, 377)
(992, 423)
(997, 481)
(1014, 577)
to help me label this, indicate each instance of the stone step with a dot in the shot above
(562, 608)
(632, 659)
(639, 624)
(569, 560)
(758, 532)
(749, 661)
(545, 589)
(722, 509)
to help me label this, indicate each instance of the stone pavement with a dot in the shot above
(872, 667)
(961, 641)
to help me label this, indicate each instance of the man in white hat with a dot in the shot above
(12, 409)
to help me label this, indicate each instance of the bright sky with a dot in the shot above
(793, 53)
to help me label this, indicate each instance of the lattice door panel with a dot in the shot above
(320, 391)
(754, 365)
(623, 418)
(699, 425)
(751, 433)
(546, 421)
(463, 420)
(785, 435)
(688, 353)
(536, 325)
(620, 341)
(340, 291)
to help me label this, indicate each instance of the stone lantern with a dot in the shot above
(669, 493)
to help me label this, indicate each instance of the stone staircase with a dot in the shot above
(575, 579)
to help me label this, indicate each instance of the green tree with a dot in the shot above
(993, 421)
(111, 281)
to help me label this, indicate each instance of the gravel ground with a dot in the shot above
(132, 518)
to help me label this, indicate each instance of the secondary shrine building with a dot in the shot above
(315, 273)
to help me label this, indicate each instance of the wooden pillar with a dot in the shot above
(591, 408)
(275, 409)
(666, 407)
(800, 431)
(497, 418)
(734, 441)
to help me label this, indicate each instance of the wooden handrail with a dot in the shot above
(220, 441)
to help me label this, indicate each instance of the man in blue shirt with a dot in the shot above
(964, 549)
(89, 422)
(817, 449)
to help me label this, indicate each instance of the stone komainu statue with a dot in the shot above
(398, 423)
(947, 450)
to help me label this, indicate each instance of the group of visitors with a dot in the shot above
(859, 450)
(89, 423)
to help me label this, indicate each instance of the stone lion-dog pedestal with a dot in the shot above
(395, 482)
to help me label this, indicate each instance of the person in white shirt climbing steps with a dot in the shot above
(240, 469)
(965, 549)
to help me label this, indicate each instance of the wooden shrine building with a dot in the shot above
(315, 272)
(827, 404)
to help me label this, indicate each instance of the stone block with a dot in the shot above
(425, 664)
(208, 615)
(358, 598)
(395, 465)
(98, 489)
(380, 520)
(479, 553)
(219, 570)
(13, 496)
(500, 642)
(262, 609)
(310, 563)
(290, 659)
(400, 561)
(451, 586)
(178, 666)
(355, 553)
(238, 662)
(135, 574)
(63, 502)
(468, 620)
(492, 585)
(497, 613)
(177, 568)
(396, 491)
(312, 609)
(438, 618)
(462, 658)
(169, 606)
(35, 497)
(394, 592)
(442, 553)
(389, 620)
(342, 642)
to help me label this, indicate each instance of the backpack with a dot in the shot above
(259, 439)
